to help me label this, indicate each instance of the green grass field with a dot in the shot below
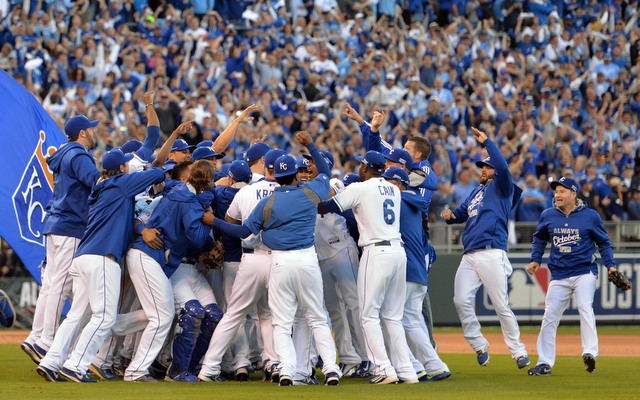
(614, 377)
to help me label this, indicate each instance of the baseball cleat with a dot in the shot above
(242, 374)
(104, 374)
(157, 370)
(181, 377)
(522, 361)
(331, 379)
(348, 369)
(438, 376)
(49, 375)
(483, 357)
(306, 381)
(275, 373)
(39, 351)
(422, 375)
(540, 370)
(285, 381)
(365, 370)
(211, 378)
(7, 312)
(31, 352)
(76, 376)
(589, 362)
(383, 379)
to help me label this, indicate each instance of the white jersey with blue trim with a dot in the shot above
(376, 206)
(245, 201)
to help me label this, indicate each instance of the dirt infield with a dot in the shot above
(610, 345)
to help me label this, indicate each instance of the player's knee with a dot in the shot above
(191, 316)
(212, 313)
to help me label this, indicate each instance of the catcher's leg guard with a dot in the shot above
(212, 315)
(188, 329)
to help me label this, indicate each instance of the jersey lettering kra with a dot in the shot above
(245, 201)
(376, 206)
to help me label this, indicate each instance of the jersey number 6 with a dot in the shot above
(389, 215)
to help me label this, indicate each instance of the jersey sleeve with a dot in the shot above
(348, 198)
(85, 169)
(320, 186)
(132, 184)
(540, 239)
(502, 175)
(601, 239)
(234, 208)
(149, 145)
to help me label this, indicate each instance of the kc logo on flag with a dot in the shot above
(29, 136)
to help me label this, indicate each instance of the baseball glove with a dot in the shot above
(621, 281)
(214, 257)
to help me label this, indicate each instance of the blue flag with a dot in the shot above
(29, 136)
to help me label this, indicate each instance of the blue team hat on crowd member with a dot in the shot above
(271, 156)
(400, 156)
(566, 182)
(180, 145)
(285, 165)
(257, 151)
(487, 161)
(75, 124)
(131, 146)
(464, 158)
(350, 178)
(397, 174)
(302, 162)
(239, 171)
(114, 158)
(373, 160)
(202, 153)
(205, 143)
(168, 165)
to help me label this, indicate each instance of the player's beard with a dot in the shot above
(485, 178)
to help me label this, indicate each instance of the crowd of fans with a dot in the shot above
(553, 82)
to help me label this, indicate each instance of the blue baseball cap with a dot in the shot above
(373, 160)
(566, 182)
(328, 157)
(75, 124)
(285, 165)
(302, 162)
(350, 178)
(397, 174)
(271, 156)
(257, 151)
(205, 143)
(181, 145)
(239, 171)
(131, 146)
(168, 165)
(202, 153)
(400, 156)
(114, 158)
(487, 161)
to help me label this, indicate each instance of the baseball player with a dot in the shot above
(286, 222)
(181, 151)
(381, 274)
(414, 207)
(255, 160)
(338, 260)
(96, 268)
(250, 285)
(574, 230)
(485, 260)
(75, 173)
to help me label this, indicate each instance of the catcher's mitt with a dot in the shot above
(621, 281)
(214, 257)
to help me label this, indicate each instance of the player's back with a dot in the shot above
(246, 200)
(376, 206)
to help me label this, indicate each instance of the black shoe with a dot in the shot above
(331, 379)
(589, 362)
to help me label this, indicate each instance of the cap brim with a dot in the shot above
(221, 155)
(553, 185)
(94, 123)
(481, 164)
(128, 157)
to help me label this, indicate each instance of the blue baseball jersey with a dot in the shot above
(414, 237)
(573, 241)
(232, 245)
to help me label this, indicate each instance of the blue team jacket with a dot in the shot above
(414, 237)
(111, 204)
(487, 208)
(232, 246)
(75, 173)
(178, 217)
(573, 241)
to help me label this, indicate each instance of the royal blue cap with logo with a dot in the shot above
(202, 153)
(328, 157)
(400, 156)
(302, 162)
(181, 145)
(271, 156)
(350, 178)
(487, 161)
(373, 160)
(131, 146)
(78, 123)
(114, 158)
(257, 151)
(285, 165)
(397, 174)
(566, 182)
